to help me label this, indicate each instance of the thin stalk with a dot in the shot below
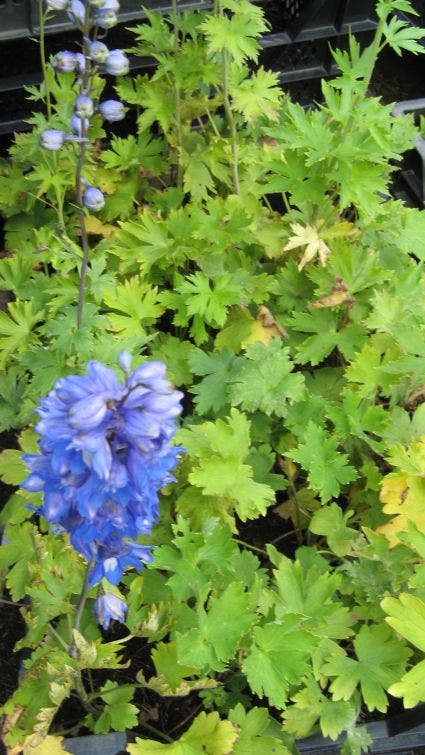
(213, 126)
(57, 636)
(177, 96)
(80, 607)
(251, 547)
(297, 510)
(83, 229)
(231, 122)
(42, 17)
(82, 147)
(229, 113)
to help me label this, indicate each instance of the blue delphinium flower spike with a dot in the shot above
(104, 455)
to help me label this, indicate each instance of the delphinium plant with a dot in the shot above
(253, 247)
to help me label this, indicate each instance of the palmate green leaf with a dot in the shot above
(265, 380)
(401, 35)
(359, 418)
(208, 734)
(119, 713)
(215, 639)
(217, 369)
(367, 370)
(197, 179)
(254, 736)
(279, 658)
(16, 328)
(135, 306)
(175, 353)
(311, 705)
(132, 153)
(168, 668)
(140, 243)
(236, 34)
(325, 336)
(257, 96)
(204, 299)
(380, 662)
(358, 740)
(217, 452)
(326, 467)
(331, 521)
(16, 556)
(197, 559)
(311, 595)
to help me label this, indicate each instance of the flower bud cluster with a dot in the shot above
(92, 13)
(104, 455)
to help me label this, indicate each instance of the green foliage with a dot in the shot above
(406, 614)
(297, 339)
(380, 661)
(219, 473)
(326, 467)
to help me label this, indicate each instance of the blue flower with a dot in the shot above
(117, 63)
(93, 198)
(112, 110)
(109, 607)
(104, 455)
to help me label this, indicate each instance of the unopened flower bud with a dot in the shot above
(98, 52)
(105, 18)
(124, 361)
(77, 11)
(77, 125)
(57, 4)
(109, 608)
(117, 63)
(80, 63)
(112, 110)
(83, 107)
(53, 139)
(64, 61)
(110, 5)
(93, 199)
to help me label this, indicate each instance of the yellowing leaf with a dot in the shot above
(403, 494)
(50, 746)
(97, 228)
(208, 734)
(309, 237)
(341, 230)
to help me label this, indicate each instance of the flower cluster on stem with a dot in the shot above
(88, 16)
(104, 454)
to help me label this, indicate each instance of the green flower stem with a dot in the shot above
(177, 97)
(80, 608)
(42, 16)
(229, 113)
(82, 147)
(251, 547)
(231, 122)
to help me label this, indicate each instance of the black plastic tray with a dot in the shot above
(412, 171)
